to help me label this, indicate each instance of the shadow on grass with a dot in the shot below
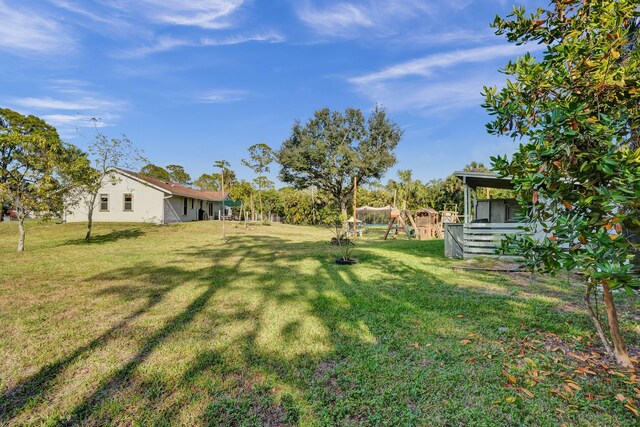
(36, 386)
(335, 344)
(114, 236)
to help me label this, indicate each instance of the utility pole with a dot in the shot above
(224, 230)
(222, 164)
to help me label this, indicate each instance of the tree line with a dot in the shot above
(41, 175)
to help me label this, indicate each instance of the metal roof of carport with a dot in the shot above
(484, 179)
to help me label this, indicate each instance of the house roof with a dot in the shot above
(176, 189)
(484, 179)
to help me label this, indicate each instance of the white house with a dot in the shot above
(131, 197)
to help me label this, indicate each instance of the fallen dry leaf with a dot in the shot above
(510, 377)
(527, 392)
(465, 342)
(574, 385)
(632, 409)
(568, 390)
(620, 397)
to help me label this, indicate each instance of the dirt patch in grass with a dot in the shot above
(326, 367)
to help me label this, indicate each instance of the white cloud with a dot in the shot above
(351, 19)
(335, 20)
(208, 14)
(74, 121)
(223, 96)
(71, 6)
(425, 66)
(437, 83)
(161, 44)
(461, 36)
(270, 37)
(24, 31)
(132, 22)
(78, 104)
(72, 106)
(166, 43)
(427, 97)
(73, 125)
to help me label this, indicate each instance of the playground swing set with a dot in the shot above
(423, 224)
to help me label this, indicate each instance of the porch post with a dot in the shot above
(466, 199)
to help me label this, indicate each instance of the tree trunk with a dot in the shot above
(21, 216)
(20, 233)
(343, 208)
(224, 212)
(620, 351)
(261, 207)
(89, 224)
(91, 205)
(596, 321)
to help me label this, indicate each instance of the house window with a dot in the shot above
(184, 206)
(104, 203)
(128, 202)
(191, 203)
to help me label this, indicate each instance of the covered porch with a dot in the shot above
(486, 221)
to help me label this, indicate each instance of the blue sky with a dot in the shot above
(191, 82)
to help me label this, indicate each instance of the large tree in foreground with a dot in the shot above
(333, 148)
(37, 169)
(577, 172)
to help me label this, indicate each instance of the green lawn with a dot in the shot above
(161, 325)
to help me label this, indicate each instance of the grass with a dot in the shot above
(162, 325)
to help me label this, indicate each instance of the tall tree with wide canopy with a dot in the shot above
(207, 182)
(37, 169)
(333, 147)
(212, 182)
(178, 175)
(577, 171)
(260, 158)
(155, 171)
